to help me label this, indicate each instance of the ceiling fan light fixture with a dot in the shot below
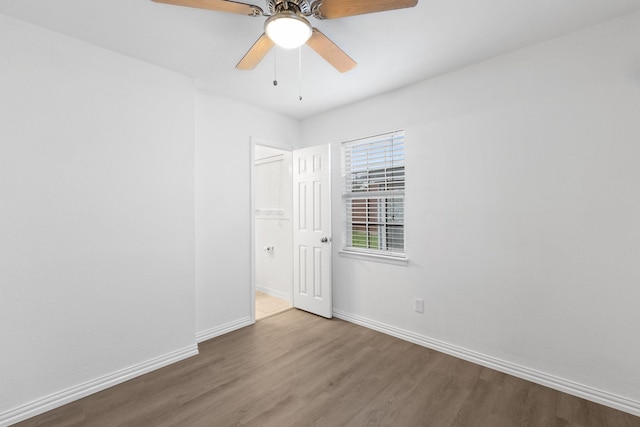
(287, 29)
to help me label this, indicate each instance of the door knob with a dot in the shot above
(324, 240)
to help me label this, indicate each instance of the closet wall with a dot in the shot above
(273, 202)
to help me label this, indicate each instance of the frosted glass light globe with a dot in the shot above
(287, 29)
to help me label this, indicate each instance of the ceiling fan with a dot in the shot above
(287, 26)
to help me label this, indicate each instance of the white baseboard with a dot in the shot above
(82, 390)
(557, 383)
(274, 293)
(223, 329)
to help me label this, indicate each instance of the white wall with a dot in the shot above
(273, 225)
(522, 209)
(96, 206)
(224, 129)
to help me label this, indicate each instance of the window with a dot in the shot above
(373, 171)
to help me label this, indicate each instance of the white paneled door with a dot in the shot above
(312, 230)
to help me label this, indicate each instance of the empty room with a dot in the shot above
(442, 197)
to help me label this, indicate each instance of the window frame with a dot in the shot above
(390, 174)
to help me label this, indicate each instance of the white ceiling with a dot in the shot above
(393, 49)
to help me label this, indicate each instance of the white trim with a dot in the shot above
(387, 259)
(82, 390)
(252, 229)
(274, 292)
(224, 329)
(576, 389)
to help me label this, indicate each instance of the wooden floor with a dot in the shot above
(296, 369)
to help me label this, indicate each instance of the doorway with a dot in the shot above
(273, 231)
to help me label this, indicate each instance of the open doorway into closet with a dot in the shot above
(273, 231)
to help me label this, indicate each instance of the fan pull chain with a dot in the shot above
(275, 67)
(300, 73)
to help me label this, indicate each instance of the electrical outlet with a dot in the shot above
(419, 305)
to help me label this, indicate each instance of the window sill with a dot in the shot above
(395, 260)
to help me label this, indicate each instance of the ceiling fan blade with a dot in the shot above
(331, 9)
(218, 5)
(258, 51)
(330, 51)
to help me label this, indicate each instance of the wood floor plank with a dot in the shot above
(297, 369)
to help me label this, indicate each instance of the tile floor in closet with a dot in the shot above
(268, 305)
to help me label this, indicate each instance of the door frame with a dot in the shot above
(253, 141)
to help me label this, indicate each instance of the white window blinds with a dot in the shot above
(374, 185)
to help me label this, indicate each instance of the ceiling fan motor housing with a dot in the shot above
(302, 7)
